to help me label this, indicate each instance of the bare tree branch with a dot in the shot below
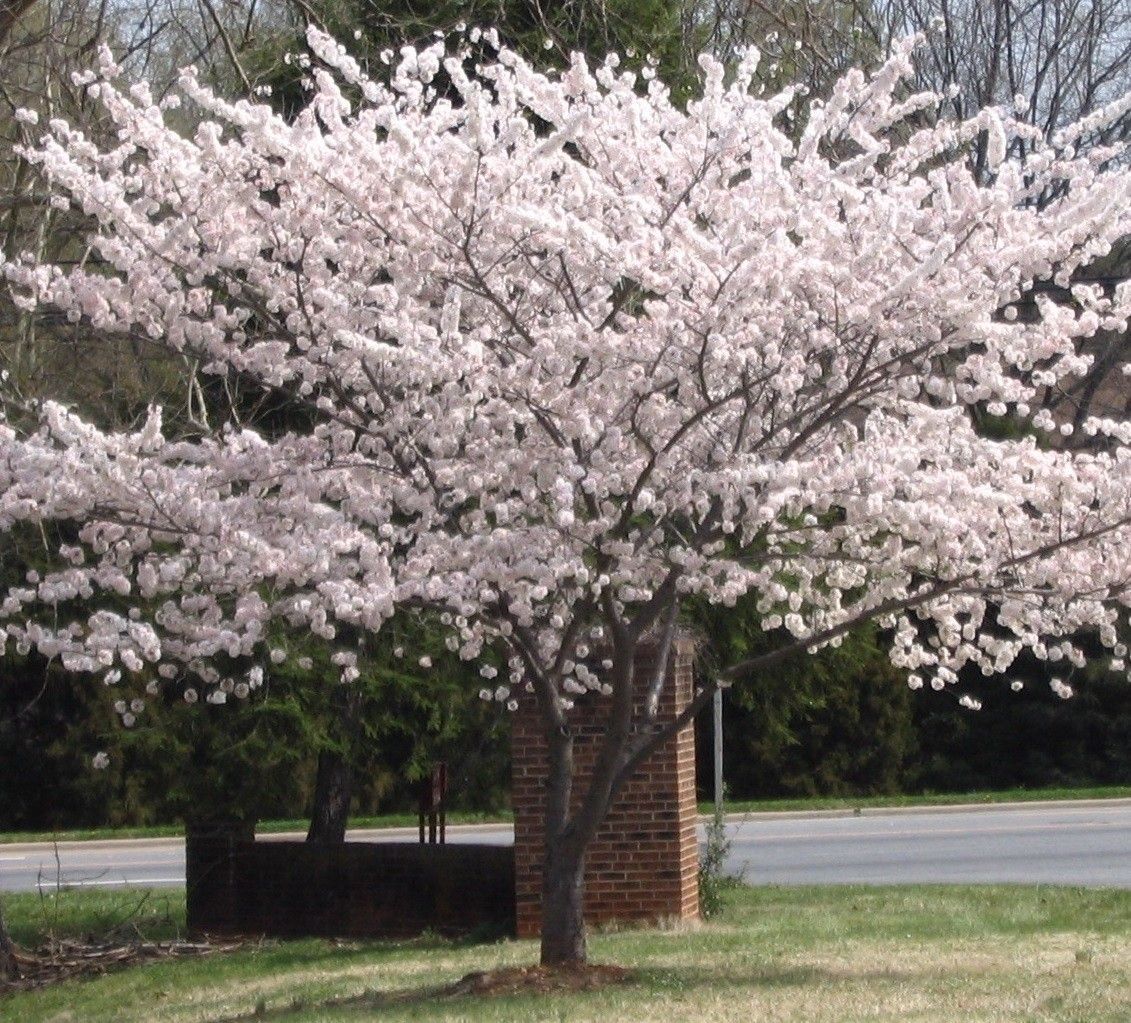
(10, 12)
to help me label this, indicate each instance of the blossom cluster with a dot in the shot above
(574, 353)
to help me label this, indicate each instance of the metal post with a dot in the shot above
(442, 799)
(718, 730)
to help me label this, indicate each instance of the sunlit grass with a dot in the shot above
(922, 954)
(299, 825)
(156, 914)
(976, 798)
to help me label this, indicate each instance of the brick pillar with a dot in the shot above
(644, 862)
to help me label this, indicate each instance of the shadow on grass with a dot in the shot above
(286, 953)
(508, 982)
(51, 964)
(657, 982)
(690, 978)
(367, 1000)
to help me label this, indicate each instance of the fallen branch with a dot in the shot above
(63, 959)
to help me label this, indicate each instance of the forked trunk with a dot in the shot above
(569, 824)
(563, 922)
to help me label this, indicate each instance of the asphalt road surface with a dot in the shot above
(1085, 843)
(1081, 843)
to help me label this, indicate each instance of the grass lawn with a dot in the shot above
(924, 799)
(388, 820)
(922, 954)
(409, 820)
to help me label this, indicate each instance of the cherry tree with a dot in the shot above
(570, 354)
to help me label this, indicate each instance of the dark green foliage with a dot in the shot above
(241, 759)
(252, 759)
(49, 730)
(1027, 739)
(594, 27)
(410, 718)
(838, 723)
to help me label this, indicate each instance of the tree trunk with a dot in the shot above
(563, 923)
(563, 862)
(333, 784)
(333, 789)
(8, 969)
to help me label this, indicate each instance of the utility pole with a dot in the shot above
(718, 735)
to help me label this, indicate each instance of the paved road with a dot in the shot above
(1050, 843)
(160, 862)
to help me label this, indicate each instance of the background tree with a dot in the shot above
(544, 33)
(1053, 63)
(838, 723)
(50, 729)
(807, 41)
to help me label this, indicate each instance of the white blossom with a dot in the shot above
(561, 374)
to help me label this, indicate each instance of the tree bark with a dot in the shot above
(563, 922)
(563, 862)
(333, 789)
(569, 830)
(333, 784)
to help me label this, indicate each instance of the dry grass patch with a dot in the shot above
(1029, 979)
(889, 955)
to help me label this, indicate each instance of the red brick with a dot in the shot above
(644, 862)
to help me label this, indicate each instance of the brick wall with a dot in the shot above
(235, 885)
(644, 862)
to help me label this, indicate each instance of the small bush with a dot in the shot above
(713, 880)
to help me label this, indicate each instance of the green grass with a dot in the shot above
(409, 820)
(389, 820)
(924, 799)
(156, 914)
(820, 955)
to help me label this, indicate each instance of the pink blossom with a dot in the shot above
(563, 378)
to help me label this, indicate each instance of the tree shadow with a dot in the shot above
(685, 978)
(315, 949)
(508, 981)
(767, 976)
(652, 981)
(367, 1000)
